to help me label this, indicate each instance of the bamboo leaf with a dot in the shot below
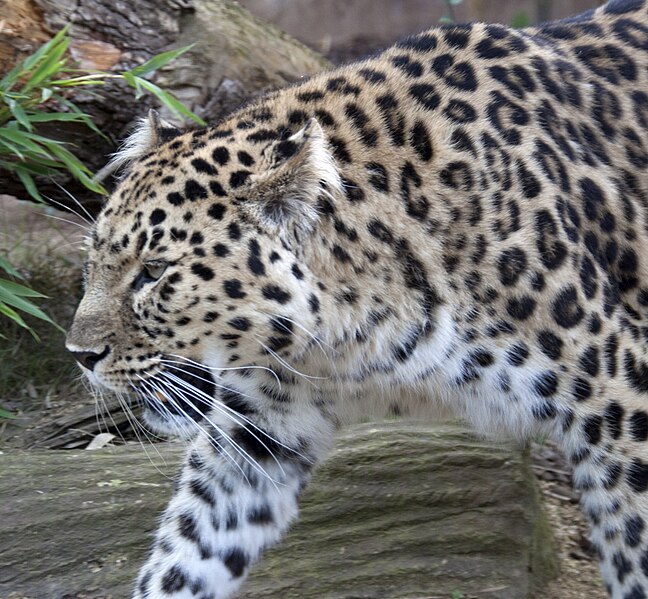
(158, 61)
(19, 290)
(51, 65)
(76, 110)
(31, 61)
(81, 172)
(22, 304)
(13, 150)
(25, 141)
(11, 313)
(6, 414)
(18, 112)
(169, 101)
(27, 180)
(46, 117)
(8, 268)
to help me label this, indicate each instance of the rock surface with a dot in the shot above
(399, 510)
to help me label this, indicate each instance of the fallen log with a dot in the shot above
(398, 511)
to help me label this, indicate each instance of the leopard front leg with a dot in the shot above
(224, 512)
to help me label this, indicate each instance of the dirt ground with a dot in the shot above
(579, 574)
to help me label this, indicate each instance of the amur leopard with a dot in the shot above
(463, 217)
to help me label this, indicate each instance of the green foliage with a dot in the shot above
(39, 90)
(521, 20)
(450, 17)
(13, 297)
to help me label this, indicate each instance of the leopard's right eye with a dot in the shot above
(151, 272)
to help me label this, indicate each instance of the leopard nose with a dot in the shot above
(89, 359)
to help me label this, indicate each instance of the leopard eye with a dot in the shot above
(155, 268)
(152, 271)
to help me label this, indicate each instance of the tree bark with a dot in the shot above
(399, 510)
(236, 57)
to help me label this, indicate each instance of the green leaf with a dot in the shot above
(455, 2)
(159, 60)
(8, 268)
(46, 117)
(445, 20)
(76, 110)
(76, 83)
(46, 94)
(521, 20)
(50, 66)
(18, 112)
(20, 290)
(30, 61)
(27, 180)
(22, 304)
(25, 141)
(81, 172)
(8, 81)
(134, 83)
(13, 76)
(169, 101)
(11, 313)
(7, 415)
(13, 150)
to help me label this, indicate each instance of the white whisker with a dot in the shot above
(90, 220)
(288, 366)
(175, 391)
(230, 412)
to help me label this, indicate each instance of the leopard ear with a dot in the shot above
(148, 134)
(296, 173)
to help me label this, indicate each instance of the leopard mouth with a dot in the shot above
(185, 391)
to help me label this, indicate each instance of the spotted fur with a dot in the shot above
(462, 218)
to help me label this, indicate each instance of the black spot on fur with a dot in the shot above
(221, 155)
(216, 211)
(195, 191)
(234, 289)
(203, 490)
(546, 384)
(174, 580)
(260, 515)
(634, 527)
(426, 95)
(276, 293)
(157, 216)
(235, 561)
(639, 426)
(240, 323)
(202, 166)
(421, 141)
(517, 354)
(550, 344)
(521, 308)
(255, 264)
(637, 475)
(511, 265)
(566, 310)
(202, 271)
